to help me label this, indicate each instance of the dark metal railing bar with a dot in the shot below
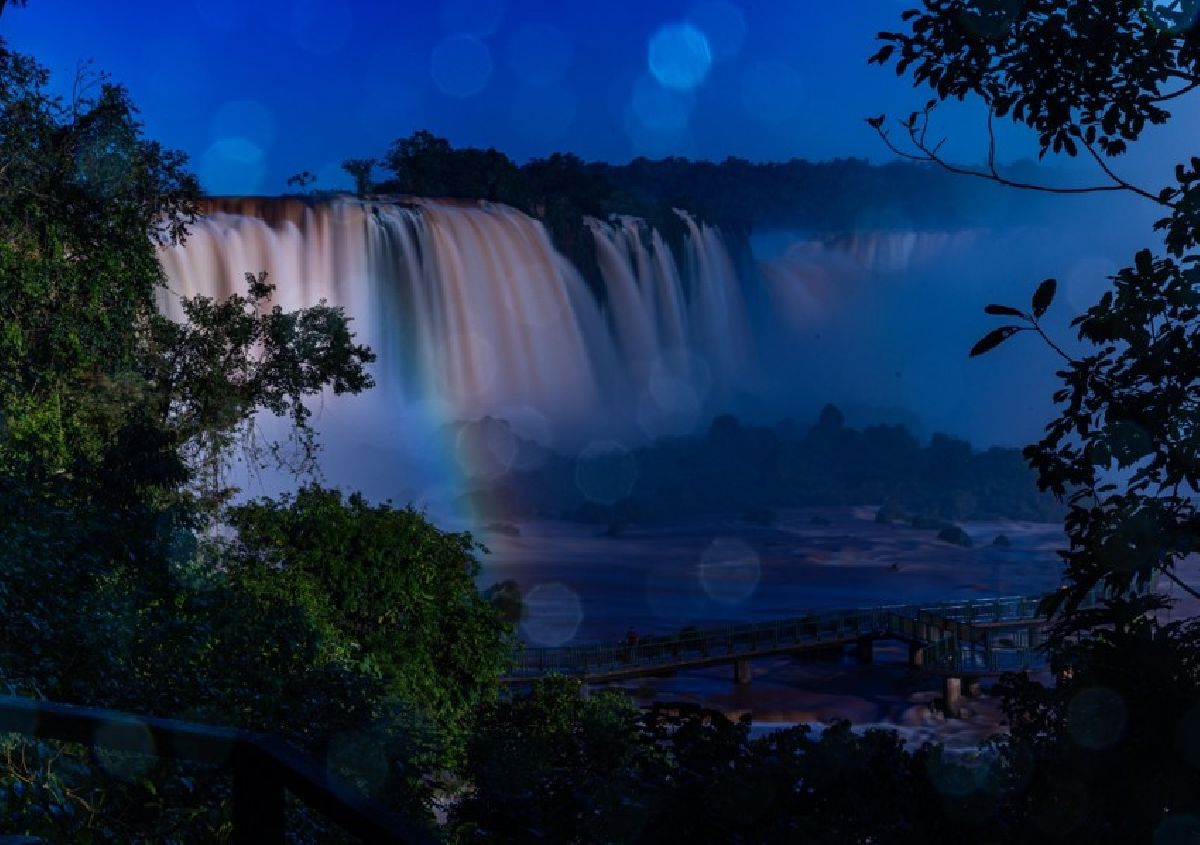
(263, 766)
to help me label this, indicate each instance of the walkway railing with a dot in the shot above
(967, 622)
(264, 767)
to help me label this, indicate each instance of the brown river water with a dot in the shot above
(581, 586)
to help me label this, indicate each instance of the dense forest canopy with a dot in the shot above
(839, 195)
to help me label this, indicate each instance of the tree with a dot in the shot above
(230, 360)
(1130, 404)
(1088, 78)
(113, 418)
(396, 592)
(360, 169)
(428, 166)
(302, 179)
(552, 765)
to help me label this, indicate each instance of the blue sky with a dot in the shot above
(256, 90)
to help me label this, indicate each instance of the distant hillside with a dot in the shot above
(751, 470)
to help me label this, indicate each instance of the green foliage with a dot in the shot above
(999, 52)
(114, 418)
(426, 165)
(360, 170)
(556, 766)
(80, 199)
(505, 596)
(1108, 754)
(231, 359)
(1129, 404)
(394, 592)
(1127, 701)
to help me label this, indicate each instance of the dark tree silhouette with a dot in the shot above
(1109, 753)
(1088, 78)
(360, 170)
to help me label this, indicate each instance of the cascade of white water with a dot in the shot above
(674, 329)
(471, 306)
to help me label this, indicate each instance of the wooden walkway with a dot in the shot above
(963, 639)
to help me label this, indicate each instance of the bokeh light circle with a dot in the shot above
(685, 365)
(668, 406)
(232, 166)
(723, 25)
(530, 424)
(552, 614)
(729, 570)
(605, 472)
(653, 143)
(461, 66)
(248, 119)
(486, 448)
(679, 56)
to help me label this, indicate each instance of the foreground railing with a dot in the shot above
(264, 767)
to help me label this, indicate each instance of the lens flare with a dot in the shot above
(552, 614)
(729, 570)
(679, 56)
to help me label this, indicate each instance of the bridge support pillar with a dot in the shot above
(741, 672)
(916, 657)
(952, 697)
(865, 650)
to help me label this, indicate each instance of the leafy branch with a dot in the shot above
(1040, 304)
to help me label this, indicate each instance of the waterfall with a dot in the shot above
(473, 311)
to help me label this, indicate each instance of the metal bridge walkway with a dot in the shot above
(963, 639)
